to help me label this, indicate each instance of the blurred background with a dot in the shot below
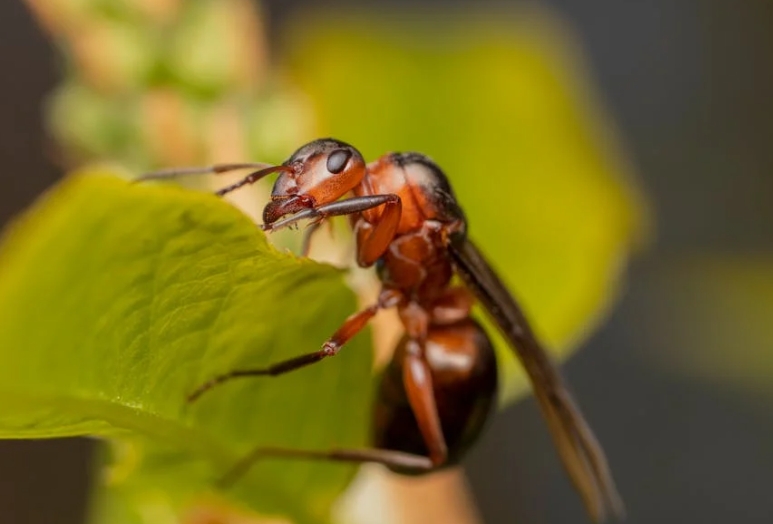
(675, 378)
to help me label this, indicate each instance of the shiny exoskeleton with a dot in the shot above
(464, 381)
(440, 386)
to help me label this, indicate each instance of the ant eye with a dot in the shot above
(337, 160)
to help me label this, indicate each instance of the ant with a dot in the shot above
(439, 388)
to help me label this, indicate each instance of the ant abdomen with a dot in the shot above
(464, 378)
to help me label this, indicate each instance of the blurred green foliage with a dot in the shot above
(166, 82)
(117, 300)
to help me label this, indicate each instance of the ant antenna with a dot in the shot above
(215, 169)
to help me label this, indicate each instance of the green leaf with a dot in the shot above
(499, 101)
(118, 299)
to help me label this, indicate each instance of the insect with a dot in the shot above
(439, 388)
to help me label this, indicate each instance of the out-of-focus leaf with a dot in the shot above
(93, 124)
(117, 300)
(712, 320)
(161, 83)
(218, 47)
(501, 104)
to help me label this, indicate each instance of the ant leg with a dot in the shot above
(306, 245)
(374, 239)
(417, 379)
(353, 325)
(347, 206)
(389, 458)
(421, 396)
(163, 174)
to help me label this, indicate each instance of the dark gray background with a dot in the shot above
(689, 83)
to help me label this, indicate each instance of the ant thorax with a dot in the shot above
(421, 185)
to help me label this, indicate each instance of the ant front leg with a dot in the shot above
(373, 239)
(353, 325)
(347, 206)
(306, 245)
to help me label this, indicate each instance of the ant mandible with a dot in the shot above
(439, 388)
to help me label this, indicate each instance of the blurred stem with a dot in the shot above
(378, 496)
(442, 497)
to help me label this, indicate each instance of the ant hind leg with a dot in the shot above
(390, 458)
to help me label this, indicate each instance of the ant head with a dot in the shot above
(318, 173)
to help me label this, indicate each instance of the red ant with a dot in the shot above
(439, 388)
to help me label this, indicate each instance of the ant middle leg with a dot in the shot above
(306, 244)
(351, 326)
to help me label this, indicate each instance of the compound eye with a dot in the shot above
(337, 160)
